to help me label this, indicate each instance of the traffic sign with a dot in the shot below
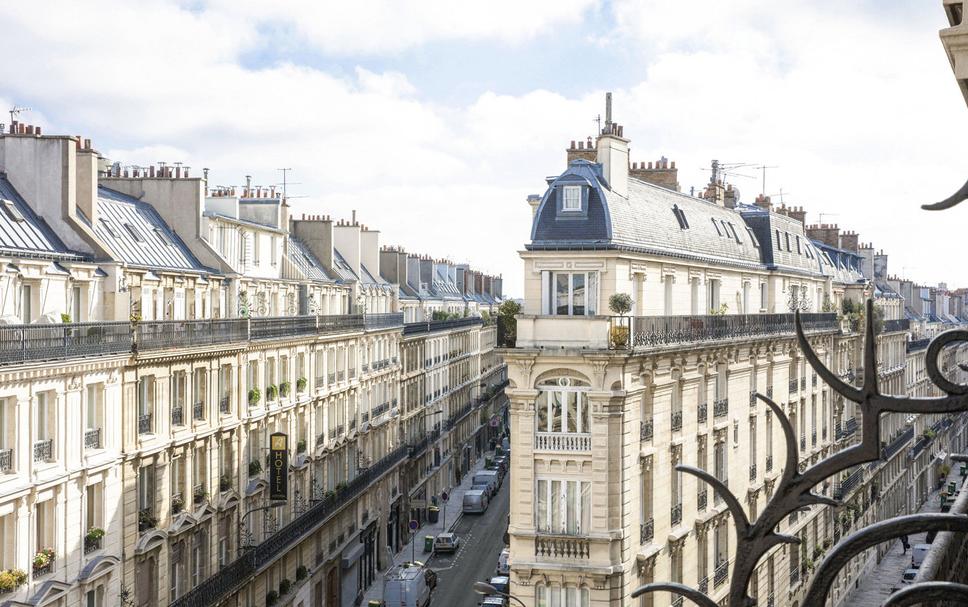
(414, 525)
(444, 496)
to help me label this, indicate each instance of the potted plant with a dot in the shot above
(255, 467)
(271, 597)
(254, 396)
(65, 318)
(224, 482)
(284, 586)
(620, 304)
(284, 389)
(177, 504)
(271, 392)
(200, 496)
(301, 573)
(301, 445)
(146, 520)
(301, 384)
(11, 579)
(43, 558)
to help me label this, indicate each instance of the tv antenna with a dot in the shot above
(720, 170)
(16, 111)
(781, 193)
(285, 172)
(763, 168)
(822, 215)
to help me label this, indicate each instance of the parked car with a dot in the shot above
(489, 478)
(504, 562)
(407, 585)
(908, 576)
(501, 582)
(446, 542)
(918, 553)
(475, 501)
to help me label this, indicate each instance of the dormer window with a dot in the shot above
(11, 210)
(571, 198)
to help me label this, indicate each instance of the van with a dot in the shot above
(489, 478)
(908, 576)
(917, 554)
(407, 586)
(475, 502)
(446, 542)
(504, 562)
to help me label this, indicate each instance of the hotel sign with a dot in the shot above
(278, 467)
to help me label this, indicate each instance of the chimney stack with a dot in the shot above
(613, 153)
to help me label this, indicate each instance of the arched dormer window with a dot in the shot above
(571, 198)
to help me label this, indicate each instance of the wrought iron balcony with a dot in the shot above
(702, 499)
(646, 428)
(720, 574)
(647, 531)
(813, 438)
(702, 413)
(848, 483)
(770, 600)
(721, 408)
(769, 392)
(91, 544)
(198, 411)
(6, 460)
(813, 380)
(898, 443)
(375, 322)
(676, 421)
(803, 383)
(794, 386)
(331, 378)
(676, 515)
(24, 343)
(44, 450)
(704, 584)
(752, 472)
(440, 325)
(177, 415)
(144, 424)
(660, 331)
(895, 325)
(919, 446)
(677, 602)
(92, 439)
(163, 334)
(803, 443)
(794, 576)
(562, 441)
(561, 547)
(752, 398)
(769, 463)
(224, 404)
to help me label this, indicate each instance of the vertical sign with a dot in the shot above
(278, 467)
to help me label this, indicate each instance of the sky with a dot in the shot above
(435, 119)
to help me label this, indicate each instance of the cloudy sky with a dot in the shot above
(435, 119)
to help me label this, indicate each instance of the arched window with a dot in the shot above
(556, 595)
(562, 406)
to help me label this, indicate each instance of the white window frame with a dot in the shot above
(543, 524)
(571, 194)
(592, 284)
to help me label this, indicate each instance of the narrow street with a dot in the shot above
(482, 539)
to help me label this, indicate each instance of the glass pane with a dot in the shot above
(586, 508)
(542, 513)
(592, 307)
(556, 506)
(578, 294)
(555, 592)
(571, 418)
(542, 411)
(571, 522)
(541, 595)
(585, 597)
(555, 411)
(571, 596)
(583, 410)
(561, 294)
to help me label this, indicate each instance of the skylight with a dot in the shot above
(11, 210)
(109, 228)
(680, 217)
(133, 231)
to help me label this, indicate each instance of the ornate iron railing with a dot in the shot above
(92, 439)
(6, 460)
(676, 421)
(646, 429)
(44, 450)
(659, 331)
(794, 490)
(22, 343)
(440, 325)
(721, 407)
(702, 413)
(647, 531)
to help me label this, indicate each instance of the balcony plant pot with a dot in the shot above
(284, 389)
(254, 396)
(11, 579)
(271, 392)
(255, 467)
(284, 586)
(301, 573)
(224, 483)
(301, 384)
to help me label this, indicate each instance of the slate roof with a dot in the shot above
(22, 230)
(342, 269)
(306, 262)
(136, 234)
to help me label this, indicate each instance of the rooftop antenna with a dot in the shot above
(608, 110)
(16, 111)
(762, 168)
(822, 215)
(721, 170)
(284, 172)
(780, 194)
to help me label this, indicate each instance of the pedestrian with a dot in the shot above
(904, 544)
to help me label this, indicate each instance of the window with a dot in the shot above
(716, 225)
(779, 245)
(732, 229)
(799, 249)
(667, 294)
(11, 210)
(554, 595)
(680, 217)
(712, 297)
(787, 235)
(26, 304)
(273, 252)
(570, 293)
(562, 406)
(571, 198)
(256, 237)
(76, 304)
(134, 232)
(762, 296)
(109, 228)
(95, 406)
(563, 506)
(162, 237)
(694, 296)
(752, 238)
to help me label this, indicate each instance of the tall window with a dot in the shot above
(563, 506)
(712, 297)
(555, 595)
(26, 304)
(571, 198)
(44, 416)
(179, 387)
(721, 544)
(570, 293)
(562, 406)
(667, 300)
(146, 487)
(694, 296)
(763, 296)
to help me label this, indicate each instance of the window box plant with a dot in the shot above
(255, 467)
(284, 388)
(43, 560)
(146, 520)
(177, 504)
(284, 586)
(271, 392)
(301, 384)
(301, 573)
(271, 597)
(11, 579)
(301, 445)
(200, 496)
(224, 482)
(254, 396)
(92, 540)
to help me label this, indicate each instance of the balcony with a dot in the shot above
(676, 514)
(848, 482)
(813, 438)
(897, 444)
(647, 531)
(412, 328)
(794, 575)
(144, 424)
(198, 411)
(26, 343)
(896, 325)
(803, 383)
(752, 398)
(561, 547)
(92, 439)
(850, 426)
(702, 413)
(676, 421)
(803, 443)
(794, 386)
(224, 405)
(720, 574)
(702, 500)
(177, 415)
(376, 322)
(704, 584)
(646, 428)
(164, 334)
(921, 444)
(769, 463)
(769, 392)
(6, 460)
(721, 408)
(650, 332)
(562, 441)
(92, 543)
(44, 450)
(752, 472)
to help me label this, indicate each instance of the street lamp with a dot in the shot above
(485, 589)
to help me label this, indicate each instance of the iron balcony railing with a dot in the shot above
(721, 573)
(374, 322)
(676, 514)
(921, 444)
(676, 421)
(752, 398)
(850, 426)
(769, 463)
(917, 344)
(659, 331)
(721, 407)
(794, 386)
(848, 483)
(704, 584)
(144, 423)
(702, 499)
(223, 404)
(646, 429)
(92, 439)
(44, 450)
(162, 334)
(752, 472)
(898, 443)
(647, 531)
(25, 343)
(177, 415)
(198, 411)
(6, 460)
(702, 413)
(440, 325)
(896, 324)
(237, 573)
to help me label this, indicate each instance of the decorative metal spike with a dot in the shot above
(929, 593)
(950, 201)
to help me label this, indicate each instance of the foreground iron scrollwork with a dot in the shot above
(794, 490)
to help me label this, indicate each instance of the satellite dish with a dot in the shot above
(735, 193)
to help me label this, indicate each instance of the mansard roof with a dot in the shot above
(305, 261)
(22, 231)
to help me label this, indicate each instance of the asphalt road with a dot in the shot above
(481, 542)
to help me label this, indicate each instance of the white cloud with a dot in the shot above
(858, 111)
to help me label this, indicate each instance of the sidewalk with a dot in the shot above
(876, 586)
(450, 515)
